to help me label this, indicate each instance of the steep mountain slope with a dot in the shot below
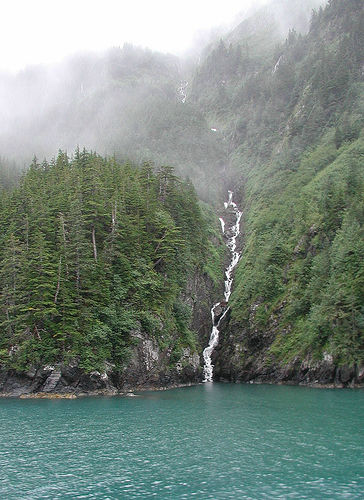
(108, 270)
(242, 53)
(126, 102)
(132, 102)
(293, 124)
(270, 24)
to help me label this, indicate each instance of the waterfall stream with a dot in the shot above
(182, 91)
(219, 310)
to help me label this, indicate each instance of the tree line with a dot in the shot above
(90, 250)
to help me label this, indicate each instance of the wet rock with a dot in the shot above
(345, 374)
(13, 383)
(52, 381)
(31, 372)
(188, 366)
(149, 354)
(71, 373)
(244, 355)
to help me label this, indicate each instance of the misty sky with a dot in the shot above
(44, 31)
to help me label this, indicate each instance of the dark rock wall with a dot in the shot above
(149, 365)
(243, 356)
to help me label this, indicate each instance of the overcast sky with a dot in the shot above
(43, 31)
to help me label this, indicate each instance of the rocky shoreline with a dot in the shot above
(69, 381)
(96, 393)
(238, 359)
(16, 390)
(14, 385)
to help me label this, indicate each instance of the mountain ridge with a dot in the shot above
(285, 133)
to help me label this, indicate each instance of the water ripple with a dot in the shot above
(216, 442)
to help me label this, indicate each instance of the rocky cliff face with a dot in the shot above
(243, 355)
(149, 365)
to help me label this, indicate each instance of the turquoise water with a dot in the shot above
(210, 441)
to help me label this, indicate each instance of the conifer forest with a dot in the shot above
(111, 190)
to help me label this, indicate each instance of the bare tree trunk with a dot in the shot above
(94, 243)
(161, 241)
(37, 332)
(59, 279)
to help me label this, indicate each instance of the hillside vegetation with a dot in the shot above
(294, 124)
(91, 250)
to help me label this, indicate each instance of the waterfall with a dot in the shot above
(182, 91)
(277, 64)
(219, 310)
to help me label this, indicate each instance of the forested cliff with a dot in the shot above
(295, 127)
(109, 267)
(97, 258)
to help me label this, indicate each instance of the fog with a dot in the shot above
(40, 31)
(121, 101)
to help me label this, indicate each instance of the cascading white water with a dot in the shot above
(182, 91)
(233, 233)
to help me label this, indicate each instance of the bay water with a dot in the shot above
(211, 441)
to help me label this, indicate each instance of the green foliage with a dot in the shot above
(304, 258)
(92, 250)
(294, 123)
(216, 248)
